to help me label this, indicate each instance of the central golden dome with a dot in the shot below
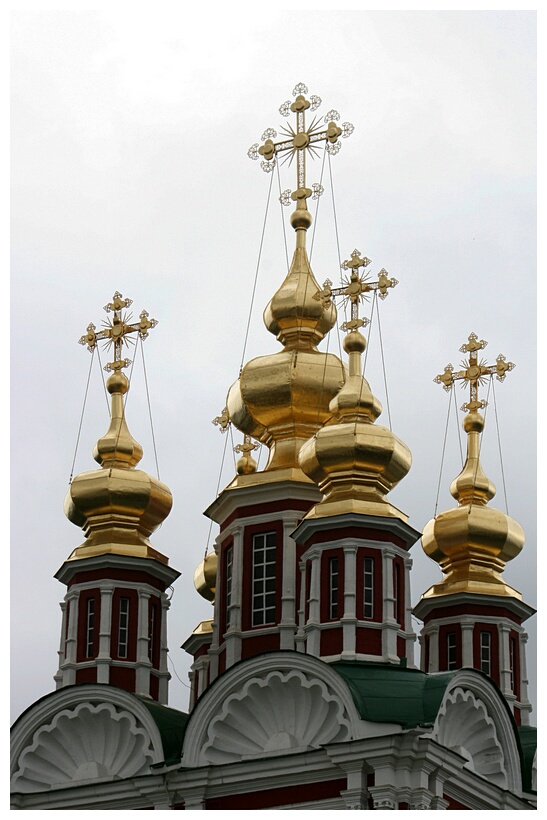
(282, 399)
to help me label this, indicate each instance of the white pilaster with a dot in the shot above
(287, 625)
(349, 618)
(467, 642)
(143, 665)
(105, 634)
(390, 626)
(233, 632)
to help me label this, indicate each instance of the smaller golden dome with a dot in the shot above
(472, 543)
(205, 577)
(117, 506)
(354, 461)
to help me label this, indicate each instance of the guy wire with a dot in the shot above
(282, 219)
(149, 409)
(218, 487)
(337, 246)
(81, 417)
(256, 275)
(383, 366)
(443, 452)
(499, 448)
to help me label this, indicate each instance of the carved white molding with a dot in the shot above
(480, 718)
(83, 733)
(464, 725)
(85, 743)
(279, 712)
(274, 704)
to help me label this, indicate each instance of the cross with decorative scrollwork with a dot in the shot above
(117, 330)
(474, 373)
(355, 288)
(300, 140)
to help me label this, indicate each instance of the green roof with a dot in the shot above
(384, 693)
(527, 736)
(171, 725)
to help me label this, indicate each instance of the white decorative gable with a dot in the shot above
(281, 703)
(475, 723)
(83, 734)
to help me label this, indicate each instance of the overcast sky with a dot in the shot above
(129, 172)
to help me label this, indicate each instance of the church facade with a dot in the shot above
(306, 689)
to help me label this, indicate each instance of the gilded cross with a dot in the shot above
(247, 447)
(222, 421)
(301, 139)
(117, 330)
(356, 287)
(475, 372)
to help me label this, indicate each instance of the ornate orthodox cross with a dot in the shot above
(474, 373)
(300, 140)
(247, 447)
(117, 330)
(355, 288)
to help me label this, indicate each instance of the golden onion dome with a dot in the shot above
(205, 577)
(117, 506)
(354, 461)
(282, 399)
(472, 542)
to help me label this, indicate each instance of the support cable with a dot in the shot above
(256, 275)
(150, 410)
(282, 219)
(499, 449)
(443, 453)
(216, 494)
(337, 247)
(81, 418)
(383, 366)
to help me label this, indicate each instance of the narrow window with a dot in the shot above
(452, 662)
(486, 653)
(90, 627)
(368, 601)
(333, 587)
(123, 627)
(264, 567)
(229, 574)
(152, 632)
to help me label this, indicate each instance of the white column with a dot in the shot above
(433, 633)
(287, 626)
(105, 635)
(143, 665)
(69, 675)
(505, 662)
(164, 676)
(411, 639)
(233, 633)
(313, 644)
(389, 624)
(349, 618)
(58, 677)
(525, 703)
(467, 642)
(301, 635)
